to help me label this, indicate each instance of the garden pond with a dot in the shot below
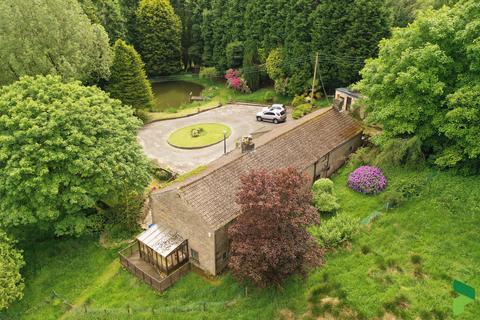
(173, 94)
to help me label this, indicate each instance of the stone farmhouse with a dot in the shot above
(191, 218)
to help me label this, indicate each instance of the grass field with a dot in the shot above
(208, 134)
(401, 265)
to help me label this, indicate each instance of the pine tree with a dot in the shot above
(345, 33)
(128, 81)
(159, 32)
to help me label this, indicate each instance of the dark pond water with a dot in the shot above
(173, 94)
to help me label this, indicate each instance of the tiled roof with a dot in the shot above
(212, 193)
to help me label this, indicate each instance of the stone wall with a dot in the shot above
(169, 210)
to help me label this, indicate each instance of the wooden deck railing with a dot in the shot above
(158, 283)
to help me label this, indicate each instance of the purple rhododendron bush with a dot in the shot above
(367, 180)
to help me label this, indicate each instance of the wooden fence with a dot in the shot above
(158, 283)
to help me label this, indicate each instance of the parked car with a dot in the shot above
(273, 115)
(279, 107)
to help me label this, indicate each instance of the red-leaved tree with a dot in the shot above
(269, 239)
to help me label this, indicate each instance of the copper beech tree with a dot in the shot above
(269, 239)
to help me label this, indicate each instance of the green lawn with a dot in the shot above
(403, 264)
(208, 134)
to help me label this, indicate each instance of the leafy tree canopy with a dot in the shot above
(51, 37)
(158, 36)
(424, 81)
(269, 239)
(109, 14)
(64, 148)
(11, 281)
(128, 81)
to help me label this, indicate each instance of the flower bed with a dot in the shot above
(367, 180)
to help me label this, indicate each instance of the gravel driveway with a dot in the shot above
(240, 118)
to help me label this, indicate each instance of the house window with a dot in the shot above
(194, 255)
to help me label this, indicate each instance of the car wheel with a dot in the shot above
(275, 121)
(259, 119)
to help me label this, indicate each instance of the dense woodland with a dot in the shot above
(74, 79)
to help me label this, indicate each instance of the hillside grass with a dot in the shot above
(402, 264)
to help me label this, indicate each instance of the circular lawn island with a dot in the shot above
(199, 135)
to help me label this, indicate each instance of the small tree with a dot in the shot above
(11, 281)
(158, 35)
(128, 81)
(269, 239)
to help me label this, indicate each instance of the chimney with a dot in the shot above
(247, 144)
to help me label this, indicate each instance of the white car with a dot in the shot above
(273, 115)
(279, 107)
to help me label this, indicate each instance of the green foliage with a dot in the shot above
(363, 156)
(346, 33)
(64, 147)
(125, 214)
(34, 41)
(11, 281)
(128, 81)
(392, 199)
(335, 231)
(421, 85)
(161, 51)
(401, 152)
(268, 96)
(354, 277)
(234, 54)
(301, 110)
(299, 82)
(409, 187)
(250, 70)
(208, 73)
(323, 198)
(109, 14)
(298, 100)
(274, 64)
(129, 7)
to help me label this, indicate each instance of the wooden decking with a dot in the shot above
(130, 259)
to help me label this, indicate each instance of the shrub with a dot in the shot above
(301, 110)
(208, 73)
(363, 156)
(410, 188)
(401, 152)
(323, 197)
(268, 96)
(11, 281)
(235, 82)
(196, 132)
(281, 86)
(298, 100)
(323, 185)
(142, 115)
(367, 180)
(333, 232)
(162, 174)
(274, 64)
(393, 199)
